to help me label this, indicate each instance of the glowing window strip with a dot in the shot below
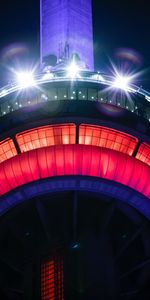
(143, 153)
(7, 149)
(75, 159)
(52, 281)
(107, 138)
(46, 136)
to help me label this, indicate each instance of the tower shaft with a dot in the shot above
(66, 30)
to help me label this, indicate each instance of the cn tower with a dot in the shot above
(74, 172)
(66, 31)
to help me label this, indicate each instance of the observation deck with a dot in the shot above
(85, 110)
(88, 86)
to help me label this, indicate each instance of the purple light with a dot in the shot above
(66, 31)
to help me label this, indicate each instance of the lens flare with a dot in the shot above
(122, 82)
(14, 50)
(129, 55)
(25, 79)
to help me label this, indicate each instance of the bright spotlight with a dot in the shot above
(25, 79)
(121, 82)
(73, 70)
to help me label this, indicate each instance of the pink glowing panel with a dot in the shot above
(143, 153)
(75, 159)
(7, 149)
(46, 136)
(107, 138)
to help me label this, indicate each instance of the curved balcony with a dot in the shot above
(86, 87)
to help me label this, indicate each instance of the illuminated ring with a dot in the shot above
(70, 160)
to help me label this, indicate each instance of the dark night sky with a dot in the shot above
(117, 24)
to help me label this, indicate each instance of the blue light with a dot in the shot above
(75, 246)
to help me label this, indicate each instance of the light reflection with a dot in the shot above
(25, 79)
(122, 82)
(73, 70)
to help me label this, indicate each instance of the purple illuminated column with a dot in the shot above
(66, 32)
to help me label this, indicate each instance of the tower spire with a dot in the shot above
(66, 33)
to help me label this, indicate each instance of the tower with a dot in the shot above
(63, 25)
(74, 173)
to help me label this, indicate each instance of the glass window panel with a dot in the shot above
(143, 153)
(92, 94)
(108, 138)
(62, 93)
(7, 149)
(46, 136)
(52, 94)
(82, 94)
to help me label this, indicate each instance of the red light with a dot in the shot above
(52, 279)
(7, 149)
(46, 136)
(47, 280)
(74, 160)
(143, 153)
(107, 138)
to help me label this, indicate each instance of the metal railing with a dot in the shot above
(85, 77)
(104, 82)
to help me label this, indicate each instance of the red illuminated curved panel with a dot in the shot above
(7, 149)
(143, 153)
(107, 138)
(46, 136)
(74, 160)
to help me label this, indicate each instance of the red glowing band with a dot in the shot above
(7, 149)
(76, 159)
(46, 136)
(60, 134)
(143, 153)
(108, 138)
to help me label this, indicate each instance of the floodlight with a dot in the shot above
(25, 79)
(122, 82)
(73, 70)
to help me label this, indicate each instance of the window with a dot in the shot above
(46, 136)
(52, 281)
(144, 153)
(107, 138)
(7, 149)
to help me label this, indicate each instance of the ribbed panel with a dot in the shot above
(7, 149)
(143, 153)
(107, 138)
(46, 136)
(83, 160)
(52, 280)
